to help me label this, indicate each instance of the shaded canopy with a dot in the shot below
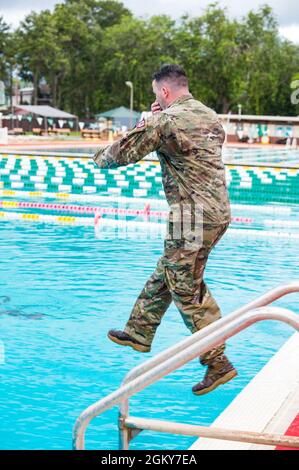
(46, 111)
(119, 113)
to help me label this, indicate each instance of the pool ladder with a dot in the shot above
(176, 356)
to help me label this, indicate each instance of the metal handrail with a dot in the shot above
(210, 341)
(260, 301)
(138, 424)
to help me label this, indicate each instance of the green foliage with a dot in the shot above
(132, 50)
(87, 49)
(7, 50)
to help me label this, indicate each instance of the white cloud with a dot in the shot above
(286, 11)
(13, 18)
(290, 32)
(14, 12)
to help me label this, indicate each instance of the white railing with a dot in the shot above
(176, 356)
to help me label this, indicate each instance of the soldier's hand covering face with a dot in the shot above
(155, 107)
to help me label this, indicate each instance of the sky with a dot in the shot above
(286, 11)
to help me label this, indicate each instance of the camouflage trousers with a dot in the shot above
(178, 277)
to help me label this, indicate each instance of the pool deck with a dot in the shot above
(45, 147)
(268, 404)
(60, 143)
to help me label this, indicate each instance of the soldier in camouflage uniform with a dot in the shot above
(188, 138)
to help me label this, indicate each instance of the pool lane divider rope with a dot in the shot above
(129, 200)
(147, 213)
(154, 226)
(89, 221)
(85, 209)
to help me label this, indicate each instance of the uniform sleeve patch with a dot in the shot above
(140, 124)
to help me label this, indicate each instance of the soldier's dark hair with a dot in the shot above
(171, 72)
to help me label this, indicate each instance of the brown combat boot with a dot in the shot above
(219, 372)
(122, 338)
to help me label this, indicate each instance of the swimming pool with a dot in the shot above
(284, 156)
(62, 289)
(64, 285)
(47, 176)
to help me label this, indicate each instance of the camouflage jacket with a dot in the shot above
(188, 138)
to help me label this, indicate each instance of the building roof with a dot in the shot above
(252, 117)
(118, 113)
(46, 111)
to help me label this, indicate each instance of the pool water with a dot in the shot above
(248, 155)
(276, 156)
(62, 289)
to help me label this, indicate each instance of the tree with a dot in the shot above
(4, 38)
(80, 27)
(8, 62)
(104, 13)
(268, 64)
(133, 49)
(87, 49)
(61, 47)
(210, 53)
(38, 48)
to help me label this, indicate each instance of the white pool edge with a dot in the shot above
(267, 404)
